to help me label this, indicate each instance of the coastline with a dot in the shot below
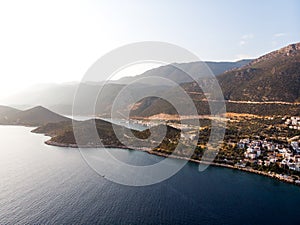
(283, 178)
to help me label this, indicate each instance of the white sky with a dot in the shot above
(135, 69)
(58, 40)
(49, 41)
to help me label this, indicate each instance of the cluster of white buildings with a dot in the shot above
(253, 149)
(266, 152)
(292, 122)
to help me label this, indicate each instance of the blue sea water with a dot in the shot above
(42, 184)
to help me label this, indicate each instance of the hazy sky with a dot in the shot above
(57, 41)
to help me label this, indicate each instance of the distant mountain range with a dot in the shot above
(174, 72)
(59, 97)
(36, 116)
(6, 111)
(272, 78)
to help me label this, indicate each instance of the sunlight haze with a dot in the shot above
(57, 41)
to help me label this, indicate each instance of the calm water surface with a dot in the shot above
(49, 185)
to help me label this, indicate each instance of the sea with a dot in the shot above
(41, 184)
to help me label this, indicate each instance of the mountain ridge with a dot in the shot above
(272, 77)
(173, 71)
(59, 97)
(35, 116)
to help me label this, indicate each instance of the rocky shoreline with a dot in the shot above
(283, 178)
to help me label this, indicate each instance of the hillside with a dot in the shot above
(5, 111)
(62, 134)
(59, 97)
(154, 106)
(32, 117)
(272, 77)
(174, 71)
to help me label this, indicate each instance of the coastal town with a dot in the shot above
(250, 145)
(267, 154)
(263, 153)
